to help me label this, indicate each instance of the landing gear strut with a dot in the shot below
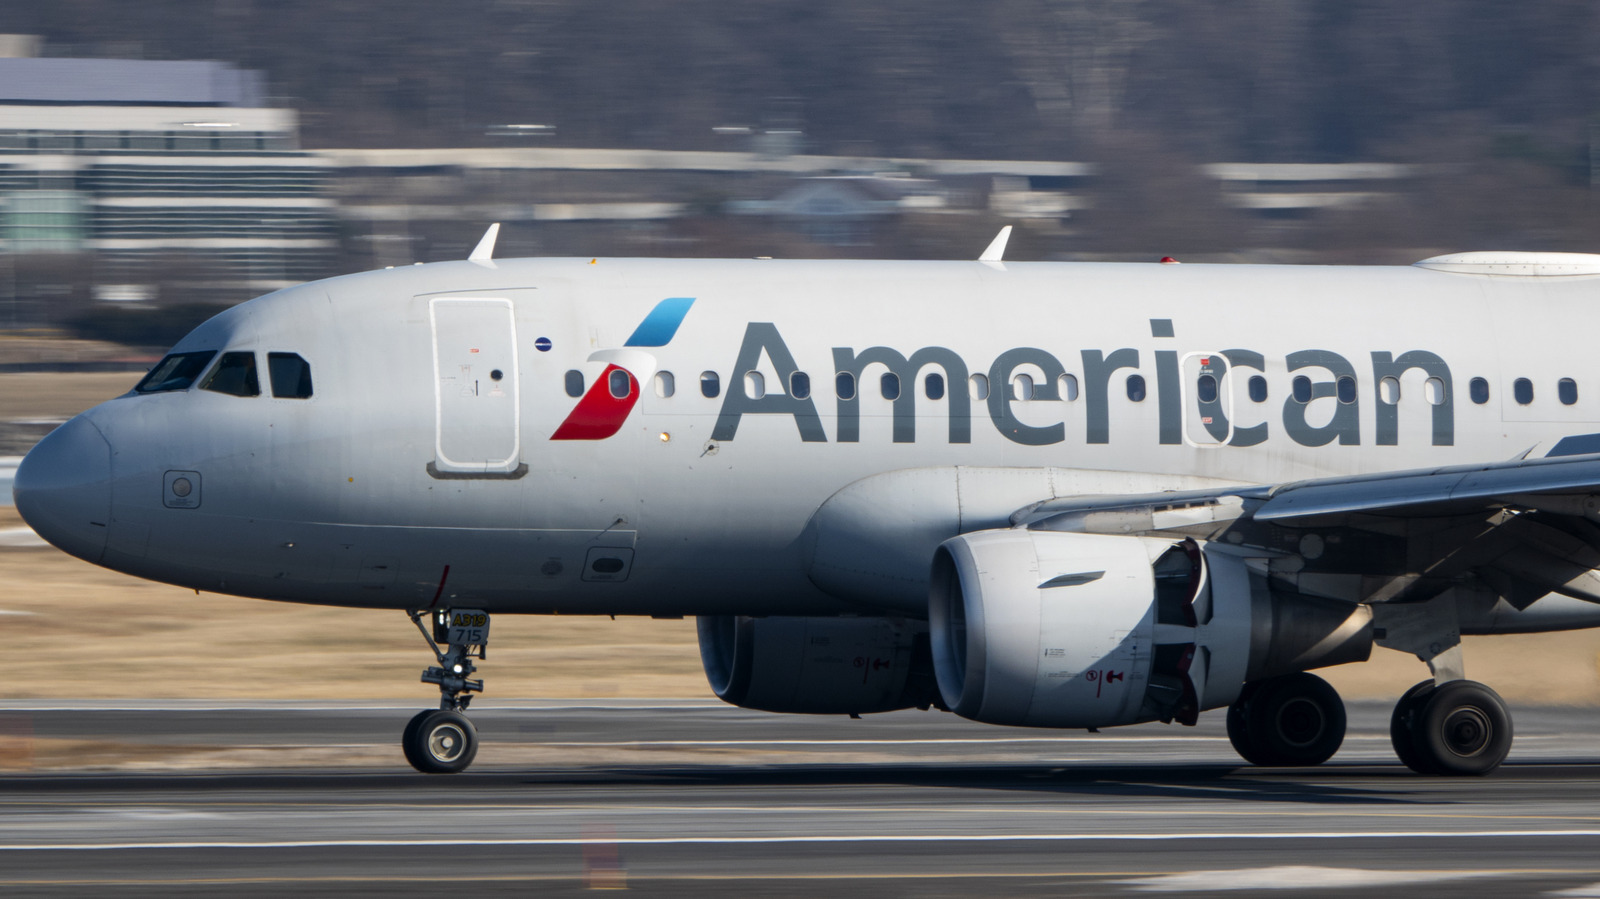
(1459, 727)
(443, 741)
(1288, 721)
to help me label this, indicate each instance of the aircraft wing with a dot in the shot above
(1569, 484)
(1526, 526)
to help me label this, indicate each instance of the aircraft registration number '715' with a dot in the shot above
(468, 627)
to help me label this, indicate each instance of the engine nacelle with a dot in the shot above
(1052, 629)
(825, 666)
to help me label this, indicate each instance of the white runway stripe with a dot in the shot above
(795, 839)
(1290, 877)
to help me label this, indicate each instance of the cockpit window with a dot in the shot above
(235, 375)
(291, 375)
(176, 372)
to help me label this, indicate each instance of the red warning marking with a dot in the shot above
(1101, 677)
(440, 592)
(868, 666)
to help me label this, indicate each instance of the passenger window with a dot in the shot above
(290, 376)
(800, 385)
(844, 384)
(1478, 389)
(1258, 389)
(755, 385)
(889, 385)
(574, 383)
(1206, 389)
(1567, 391)
(1302, 389)
(933, 386)
(978, 387)
(176, 372)
(1522, 391)
(665, 384)
(1022, 387)
(1136, 388)
(1389, 390)
(1069, 387)
(620, 383)
(1434, 390)
(710, 385)
(1346, 390)
(234, 375)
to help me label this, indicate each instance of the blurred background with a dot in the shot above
(159, 160)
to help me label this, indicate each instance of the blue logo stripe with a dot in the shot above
(662, 322)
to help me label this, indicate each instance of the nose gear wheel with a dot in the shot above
(440, 741)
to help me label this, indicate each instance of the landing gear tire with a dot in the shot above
(440, 742)
(1401, 724)
(408, 740)
(1239, 727)
(1461, 728)
(1291, 721)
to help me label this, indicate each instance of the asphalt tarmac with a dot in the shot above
(689, 799)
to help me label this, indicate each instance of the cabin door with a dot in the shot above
(476, 410)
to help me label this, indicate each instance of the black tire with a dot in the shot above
(440, 742)
(408, 738)
(1462, 729)
(1295, 720)
(1402, 727)
(1239, 726)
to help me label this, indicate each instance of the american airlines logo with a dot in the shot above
(1338, 389)
(602, 410)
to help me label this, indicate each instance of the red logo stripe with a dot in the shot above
(599, 414)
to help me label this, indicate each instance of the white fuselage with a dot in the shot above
(411, 477)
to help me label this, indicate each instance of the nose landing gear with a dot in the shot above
(443, 741)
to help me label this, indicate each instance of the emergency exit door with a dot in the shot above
(477, 417)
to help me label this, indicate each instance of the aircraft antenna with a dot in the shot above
(484, 251)
(997, 247)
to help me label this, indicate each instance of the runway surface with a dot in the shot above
(685, 799)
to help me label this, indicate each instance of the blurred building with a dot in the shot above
(835, 210)
(1296, 190)
(158, 170)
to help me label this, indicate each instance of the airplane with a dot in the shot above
(1058, 495)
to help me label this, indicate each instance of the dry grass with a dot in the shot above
(35, 395)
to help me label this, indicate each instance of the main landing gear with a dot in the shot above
(1288, 721)
(1459, 727)
(443, 741)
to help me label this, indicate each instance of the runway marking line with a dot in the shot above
(1076, 812)
(650, 878)
(791, 839)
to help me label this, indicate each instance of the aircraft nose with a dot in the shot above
(62, 489)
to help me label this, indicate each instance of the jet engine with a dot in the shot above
(825, 666)
(1052, 629)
